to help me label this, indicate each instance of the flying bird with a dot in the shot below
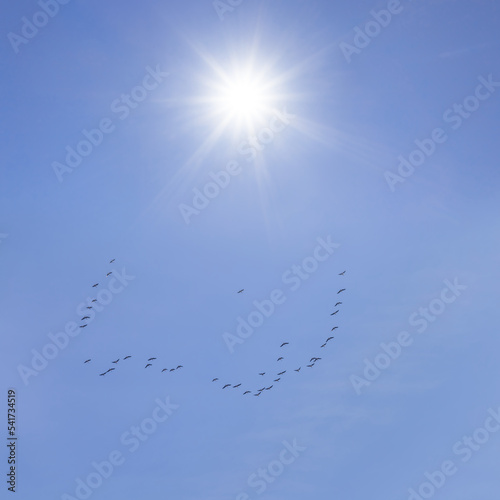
(342, 273)
(315, 359)
(310, 366)
(263, 373)
(284, 343)
(108, 274)
(115, 361)
(280, 358)
(242, 290)
(126, 357)
(260, 390)
(111, 369)
(341, 290)
(93, 286)
(101, 374)
(333, 313)
(85, 317)
(94, 300)
(151, 359)
(281, 373)
(333, 328)
(329, 338)
(277, 379)
(215, 379)
(246, 392)
(234, 386)
(149, 364)
(111, 261)
(298, 369)
(337, 304)
(270, 387)
(258, 394)
(86, 361)
(89, 307)
(83, 326)
(323, 345)
(227, 385)
(172, 369)
(180, 366)
(164, 370)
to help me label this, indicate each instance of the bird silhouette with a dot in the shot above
(151, 359)
(126, 357)
(227, 385)
(323, 345)
(235, 386)
(149, 364)
(215, 379)
(94, 300)
(298, 369)
(329, 338)
(260, 390)
(111, 261)
(108, 274)
(279, 359)
(310, 366)
(281, 373)
(86, 361)
(333, 313)
(89, 307)
(337, 304)
(335, 327)
(258, 394)
(277, 379)
(246, 392)
(93, 286)
(101, 374)
(83, 326)
(164, 370)
(284, 343)
(172, 369)
(315, 359)
(115, 361)
(341, 290)
(263, 373)
(242, 290)
(111, 369)
(342, 273)
(180, 366)
(270, 387)
(85, 317)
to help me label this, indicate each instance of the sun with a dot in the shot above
(238, 95)
(243, 99)
(235, 97)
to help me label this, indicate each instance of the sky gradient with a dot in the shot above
(164, 183)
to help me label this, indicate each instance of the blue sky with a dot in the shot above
(322, 177)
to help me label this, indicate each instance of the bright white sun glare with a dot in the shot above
(236, 98)
(244, 99)
(241, 101)
(240, 95)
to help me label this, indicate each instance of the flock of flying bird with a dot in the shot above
(258, 392)
(95, 300)
(147, 365)
(279, 374)
(95, 285)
